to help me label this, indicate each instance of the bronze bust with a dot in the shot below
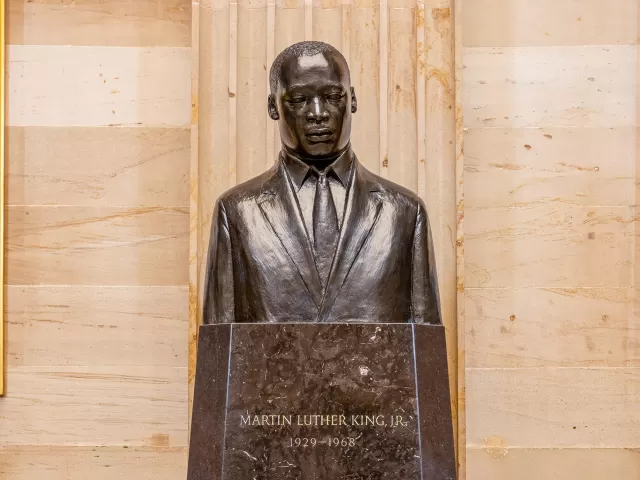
(318, 237)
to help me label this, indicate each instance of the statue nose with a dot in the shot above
(317, 111)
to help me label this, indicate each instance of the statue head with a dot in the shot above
(312, 99)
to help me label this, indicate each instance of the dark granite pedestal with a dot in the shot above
(321, 401)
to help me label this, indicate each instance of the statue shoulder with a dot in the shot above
(391, 191)
(249, 190)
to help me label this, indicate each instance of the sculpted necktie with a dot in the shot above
(325, 227)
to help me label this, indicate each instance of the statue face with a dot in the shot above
(313, 104)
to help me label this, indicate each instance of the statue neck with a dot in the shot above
(319, 163)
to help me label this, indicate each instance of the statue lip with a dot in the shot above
(317, 132)
(317, 138)
(318, 135)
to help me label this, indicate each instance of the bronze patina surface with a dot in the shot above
(318, 237)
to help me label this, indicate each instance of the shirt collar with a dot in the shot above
(300, 171)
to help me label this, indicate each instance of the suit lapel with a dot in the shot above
(281, 210)
(362, 210)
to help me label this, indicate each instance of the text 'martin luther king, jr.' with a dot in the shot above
(318, 237)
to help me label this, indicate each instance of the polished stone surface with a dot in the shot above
(321, 401)
(209, 405)
(434, 408)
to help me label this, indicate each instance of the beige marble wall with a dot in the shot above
(401, 54)
(552, 333)
(98, 216)
(97, 234)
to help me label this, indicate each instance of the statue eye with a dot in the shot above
(334, 96)
(296, 99)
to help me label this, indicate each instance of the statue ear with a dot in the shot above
(354, 101)
(272, 108)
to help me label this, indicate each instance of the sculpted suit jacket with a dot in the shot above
(261, 265)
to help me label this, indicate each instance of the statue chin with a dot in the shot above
(319, 152)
